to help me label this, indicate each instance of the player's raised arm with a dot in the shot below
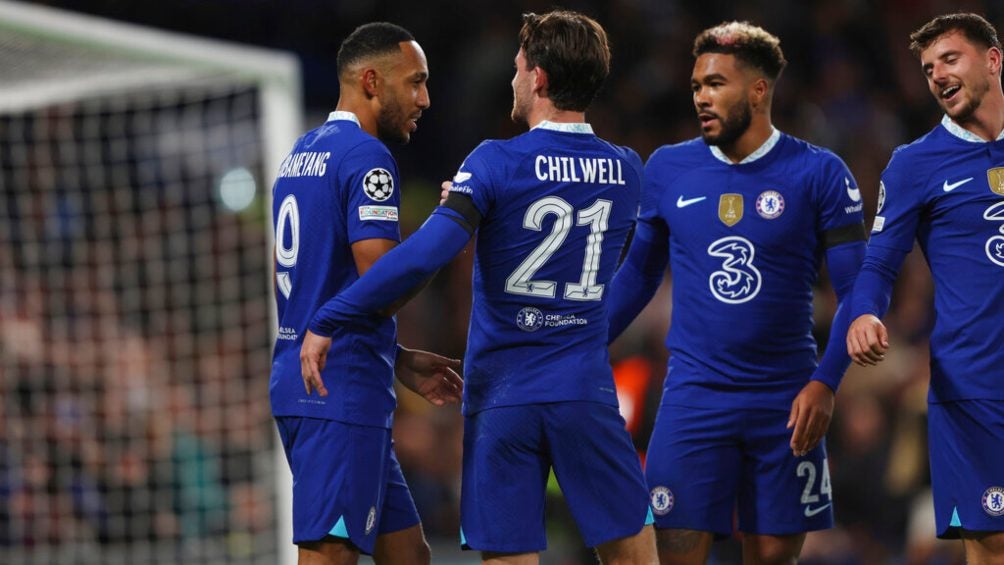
(397, 273)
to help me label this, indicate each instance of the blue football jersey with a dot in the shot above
(338, 185)
(556, 204)
(745, 246)
(947, 190)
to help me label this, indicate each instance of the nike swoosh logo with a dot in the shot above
(461, 177)
(950, 187)
(810, 511)
(681, 203)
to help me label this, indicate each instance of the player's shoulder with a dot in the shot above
(810, 152)
(343, 138)
(683, 154)
(622, 151)
(922, 152)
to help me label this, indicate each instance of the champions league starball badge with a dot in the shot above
(378, 184)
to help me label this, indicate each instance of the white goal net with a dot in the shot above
(135, 314)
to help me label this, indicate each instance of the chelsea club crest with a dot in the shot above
(993, 501)
(770, 204)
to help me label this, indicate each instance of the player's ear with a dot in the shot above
(371, 82)
(760, 92)
(994, 58)
(540, 82)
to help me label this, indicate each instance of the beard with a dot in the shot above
(520, 108)
(390, 122)
(974, 97)
(733, 125)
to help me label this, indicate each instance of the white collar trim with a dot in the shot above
(962, 133)
(760, 152)
(568, 127)
(342, 115)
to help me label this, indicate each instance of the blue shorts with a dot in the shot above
(966, 440)
(703, 464)
(346, 481)
(508, 452)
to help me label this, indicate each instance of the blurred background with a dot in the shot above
(135, 315)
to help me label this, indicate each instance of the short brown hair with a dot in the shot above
(573, 49)
(752, 45)
(974, 26)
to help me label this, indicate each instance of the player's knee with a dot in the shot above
(423, 555)
(330, 551)
(678, 546)
(984, 547)
(632, 550)
(403, 548)
(775, 551)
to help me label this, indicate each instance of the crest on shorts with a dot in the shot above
(662, 500)
(993, 501)
(730, 209)
(378, 184)
(995, 177)
(370, 520)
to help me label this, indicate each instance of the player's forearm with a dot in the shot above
(844, 263)
(637, 279)
(873, 288)
(397, 274)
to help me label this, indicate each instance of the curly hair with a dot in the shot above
(752, 45)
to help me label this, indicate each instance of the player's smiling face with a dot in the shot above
(721, 98)
(958, 73)
(405, 94)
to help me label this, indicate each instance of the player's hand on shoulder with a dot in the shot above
(810, 416)
(445, 191)
(867, 340)
(313, 356)
(432, 376)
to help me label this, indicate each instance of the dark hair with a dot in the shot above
(976, 29)
(573, 50)
(752, 45)
(369, 40)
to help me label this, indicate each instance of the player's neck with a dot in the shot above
(364, 113)
(549, 113)
(987, 121)
(755, 136)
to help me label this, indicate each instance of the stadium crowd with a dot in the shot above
(104, 398)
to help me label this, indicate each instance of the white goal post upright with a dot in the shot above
(63, 73)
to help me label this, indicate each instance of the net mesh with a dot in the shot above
(134, 330)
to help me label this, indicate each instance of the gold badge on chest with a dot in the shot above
(995, 177)
(730, 209)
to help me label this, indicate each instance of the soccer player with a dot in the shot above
(551, 209)
(742, 216)
(946, 189)
(336, 209)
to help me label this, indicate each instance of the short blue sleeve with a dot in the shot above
(899, 206)
(838, 196)
(371, 192)
(477, 178)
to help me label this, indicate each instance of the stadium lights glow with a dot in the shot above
(237, 189)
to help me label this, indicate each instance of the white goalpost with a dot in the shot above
(136, 314)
